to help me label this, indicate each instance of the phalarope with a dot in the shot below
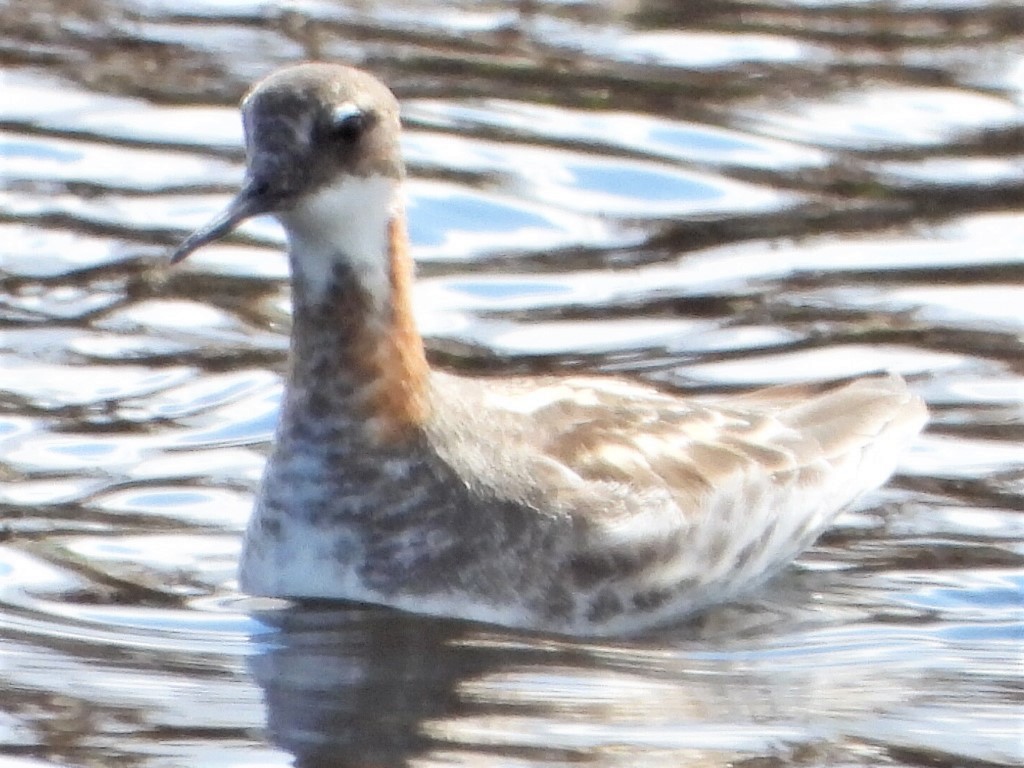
(581, 505)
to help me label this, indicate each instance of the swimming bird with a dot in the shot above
(585, 505)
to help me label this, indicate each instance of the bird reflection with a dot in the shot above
(346, 687)
(367, 686)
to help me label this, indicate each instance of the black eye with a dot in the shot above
(348, 123)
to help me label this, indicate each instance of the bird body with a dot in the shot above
(581, 505)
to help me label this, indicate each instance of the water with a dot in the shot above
(714, 196)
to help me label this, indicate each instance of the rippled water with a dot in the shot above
(714, 195)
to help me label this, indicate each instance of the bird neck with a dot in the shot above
(357, 359)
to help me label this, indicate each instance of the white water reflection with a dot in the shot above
(712, 202)
(651, 136)
(708, 50)
(41, 160)
(888, 117)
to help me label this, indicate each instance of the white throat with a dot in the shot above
(344, 223)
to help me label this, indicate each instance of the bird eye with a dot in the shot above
(348, 122)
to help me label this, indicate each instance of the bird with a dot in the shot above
(581, 505)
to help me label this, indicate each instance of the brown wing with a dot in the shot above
(618, 431)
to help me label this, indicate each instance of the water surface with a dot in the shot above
(714, 196)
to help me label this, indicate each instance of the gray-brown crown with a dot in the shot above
(308, 124)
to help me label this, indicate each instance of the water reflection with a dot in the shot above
(356, 687)
(367, 687)
(711, 198)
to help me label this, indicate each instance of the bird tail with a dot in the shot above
(875, 417)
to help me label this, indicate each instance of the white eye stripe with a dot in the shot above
(344, 112)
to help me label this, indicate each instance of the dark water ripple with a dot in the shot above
(715, 195)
